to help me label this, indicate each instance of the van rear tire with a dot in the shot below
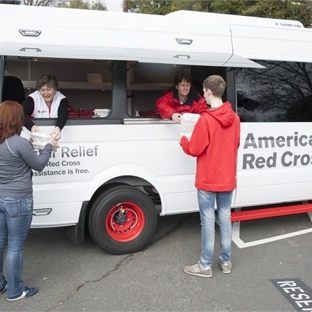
(122, 220)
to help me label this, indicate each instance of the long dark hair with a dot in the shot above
(11, 119)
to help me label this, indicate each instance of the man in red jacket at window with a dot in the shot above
(214, 141)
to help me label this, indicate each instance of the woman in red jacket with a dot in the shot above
(180, 98)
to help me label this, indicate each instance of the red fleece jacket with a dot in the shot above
(214, 141)
(169, 103)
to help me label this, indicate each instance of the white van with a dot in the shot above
(115, 172)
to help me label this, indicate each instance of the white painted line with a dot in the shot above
(241, 244)
(235, 235)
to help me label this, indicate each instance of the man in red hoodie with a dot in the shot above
(214, 141)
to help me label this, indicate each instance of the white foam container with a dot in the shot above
(102, 112)
(40, 139)
(189, 118)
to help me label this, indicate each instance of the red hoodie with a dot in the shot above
(214, 142)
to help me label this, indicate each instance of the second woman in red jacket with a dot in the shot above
(180, 98)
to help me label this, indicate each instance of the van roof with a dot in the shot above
(211, 39)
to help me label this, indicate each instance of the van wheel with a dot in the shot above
(122, 220)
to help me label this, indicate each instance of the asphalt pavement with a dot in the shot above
(83, 277)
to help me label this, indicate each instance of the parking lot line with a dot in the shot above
(241, 244)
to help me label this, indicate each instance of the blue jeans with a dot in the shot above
(206, 201)
(15, 220)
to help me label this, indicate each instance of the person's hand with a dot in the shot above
(53, 142)
(34, 128)
(176, 117)
(56, 133)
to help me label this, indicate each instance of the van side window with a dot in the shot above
(282, 92)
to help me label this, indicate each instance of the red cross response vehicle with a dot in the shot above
(119, 165)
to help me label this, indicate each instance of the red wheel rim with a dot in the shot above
(125, 221)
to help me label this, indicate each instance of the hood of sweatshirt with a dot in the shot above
(224, 114)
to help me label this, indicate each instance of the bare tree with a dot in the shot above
(77, 4)
(10, 1)
(282, 91)
(40, 2)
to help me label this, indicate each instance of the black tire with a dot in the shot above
(122, 220)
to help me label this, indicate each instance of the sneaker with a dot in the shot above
(226, 267)
(28, 292)
(4, 288)
(197, 270)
